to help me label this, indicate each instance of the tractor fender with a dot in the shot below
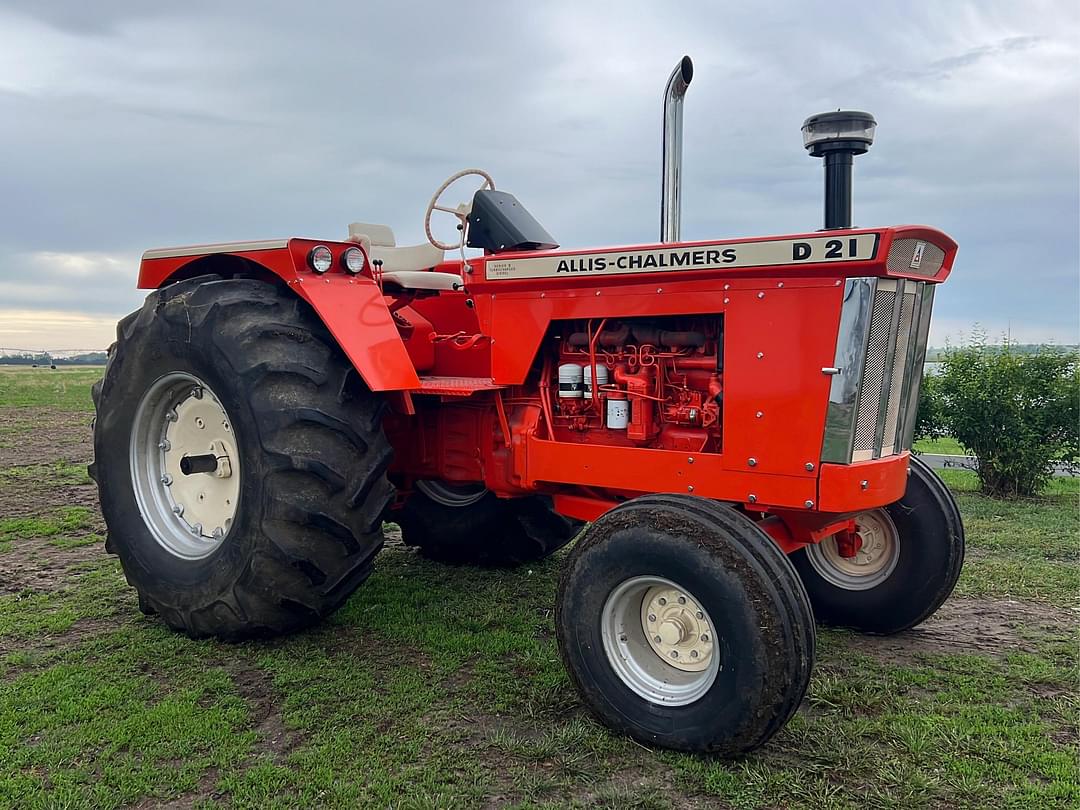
(351, 307)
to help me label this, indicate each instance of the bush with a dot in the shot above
(930, 420)
(1018, 413)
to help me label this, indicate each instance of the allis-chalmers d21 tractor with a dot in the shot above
(734, 417)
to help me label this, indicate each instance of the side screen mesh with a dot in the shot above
(877, 351)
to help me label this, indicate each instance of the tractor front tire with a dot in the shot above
(906, 567)
(683, 625)
(240, 460)
(468, 525)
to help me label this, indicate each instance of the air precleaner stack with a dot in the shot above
(838, 137)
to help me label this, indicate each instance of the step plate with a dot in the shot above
(456, 386)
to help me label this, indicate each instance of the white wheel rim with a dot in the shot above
(454, 495)
(180, 427)
(872, 564)
(660, 641)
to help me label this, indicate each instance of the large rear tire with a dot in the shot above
(910, 559)
(240, 460)
(683, 625)
(468, 525)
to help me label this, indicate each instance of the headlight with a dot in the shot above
(353, 260)
(320, 258)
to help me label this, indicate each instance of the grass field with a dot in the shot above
(440, 687)
(946, 446)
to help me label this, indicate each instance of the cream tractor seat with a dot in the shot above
(403, 267)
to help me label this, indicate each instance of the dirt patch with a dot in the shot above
(990, 627)
(256, 686)
(35, 565)
(38, 494)
(44, 436)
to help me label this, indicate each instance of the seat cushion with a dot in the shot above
(420, 280)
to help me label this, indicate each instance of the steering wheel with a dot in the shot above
(461, 212)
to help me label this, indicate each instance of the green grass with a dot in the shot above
(1027, 549)
(442, 687)
(946, 446)
(64, 388)
(66, 521)
(59, 473)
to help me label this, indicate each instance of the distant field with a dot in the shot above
(442, 687)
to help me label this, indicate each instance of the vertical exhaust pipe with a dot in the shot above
(671, 180)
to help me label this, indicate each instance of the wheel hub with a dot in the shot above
(185, 466)
(660, 641)
(198, 452)
(676, 629)
(454, 495)
(876, 553)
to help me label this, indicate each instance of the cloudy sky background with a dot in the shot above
(129, 125)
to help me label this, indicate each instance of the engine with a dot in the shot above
(646, 382)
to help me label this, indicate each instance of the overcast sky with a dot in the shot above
(132, 124)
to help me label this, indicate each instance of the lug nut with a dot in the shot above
(700, 615)
(178, 509)
(658, 640)
(164, 444)
(705, 637)
(166, 479)
(674, 653)
(219, 533)
(662, 601)
(682, 600)
(196, 529)
(652, 617)
(693, 653)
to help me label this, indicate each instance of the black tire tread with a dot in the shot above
(325, 487)
(493, 532)
(752, 547)
(902, 611)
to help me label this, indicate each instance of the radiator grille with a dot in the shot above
(877, 352)
(880, 350)
(899, 373)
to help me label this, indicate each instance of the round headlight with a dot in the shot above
(320, 258)
(353, 260)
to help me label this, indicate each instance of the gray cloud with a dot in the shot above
(131, 125)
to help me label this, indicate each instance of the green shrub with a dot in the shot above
(930, 420)
(1018, 413)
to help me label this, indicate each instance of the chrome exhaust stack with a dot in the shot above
(671, 180)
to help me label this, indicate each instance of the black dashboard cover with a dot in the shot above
(498, 223)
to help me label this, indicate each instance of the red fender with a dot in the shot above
(352, 307)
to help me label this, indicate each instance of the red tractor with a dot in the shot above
(734, 417)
